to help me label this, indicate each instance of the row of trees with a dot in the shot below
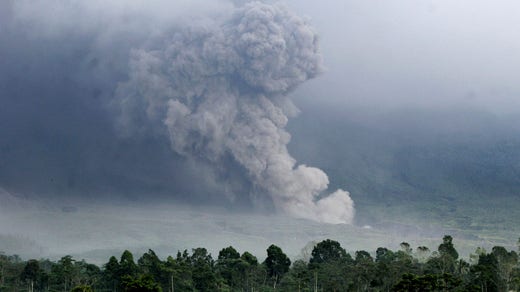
(330, 268)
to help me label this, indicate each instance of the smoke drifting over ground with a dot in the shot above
(115, 82)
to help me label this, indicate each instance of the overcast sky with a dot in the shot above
(402, 53)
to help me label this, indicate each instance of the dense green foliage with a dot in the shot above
(330, 268)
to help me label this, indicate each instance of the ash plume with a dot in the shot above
(219, 91)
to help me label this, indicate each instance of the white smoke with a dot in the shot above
(220, 90)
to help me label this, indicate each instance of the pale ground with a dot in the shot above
(95, 232)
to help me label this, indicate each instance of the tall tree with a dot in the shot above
(252, 271)
(445, 259)
(506, 261)
(31, 273)
(64, 272)
(446, 248)
(485, 274)
(327, 251)
(179, 271)
(364, 270)
(230, 267)
(127, 265)
(111, 273)
(204, 277)
(277, 263)
(149, 263)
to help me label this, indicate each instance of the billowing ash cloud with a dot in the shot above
(152, 100)
(219, 90)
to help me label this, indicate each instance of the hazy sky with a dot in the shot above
(428, 53)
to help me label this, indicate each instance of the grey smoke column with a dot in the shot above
(220, 90)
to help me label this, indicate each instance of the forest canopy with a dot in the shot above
(329, 268)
